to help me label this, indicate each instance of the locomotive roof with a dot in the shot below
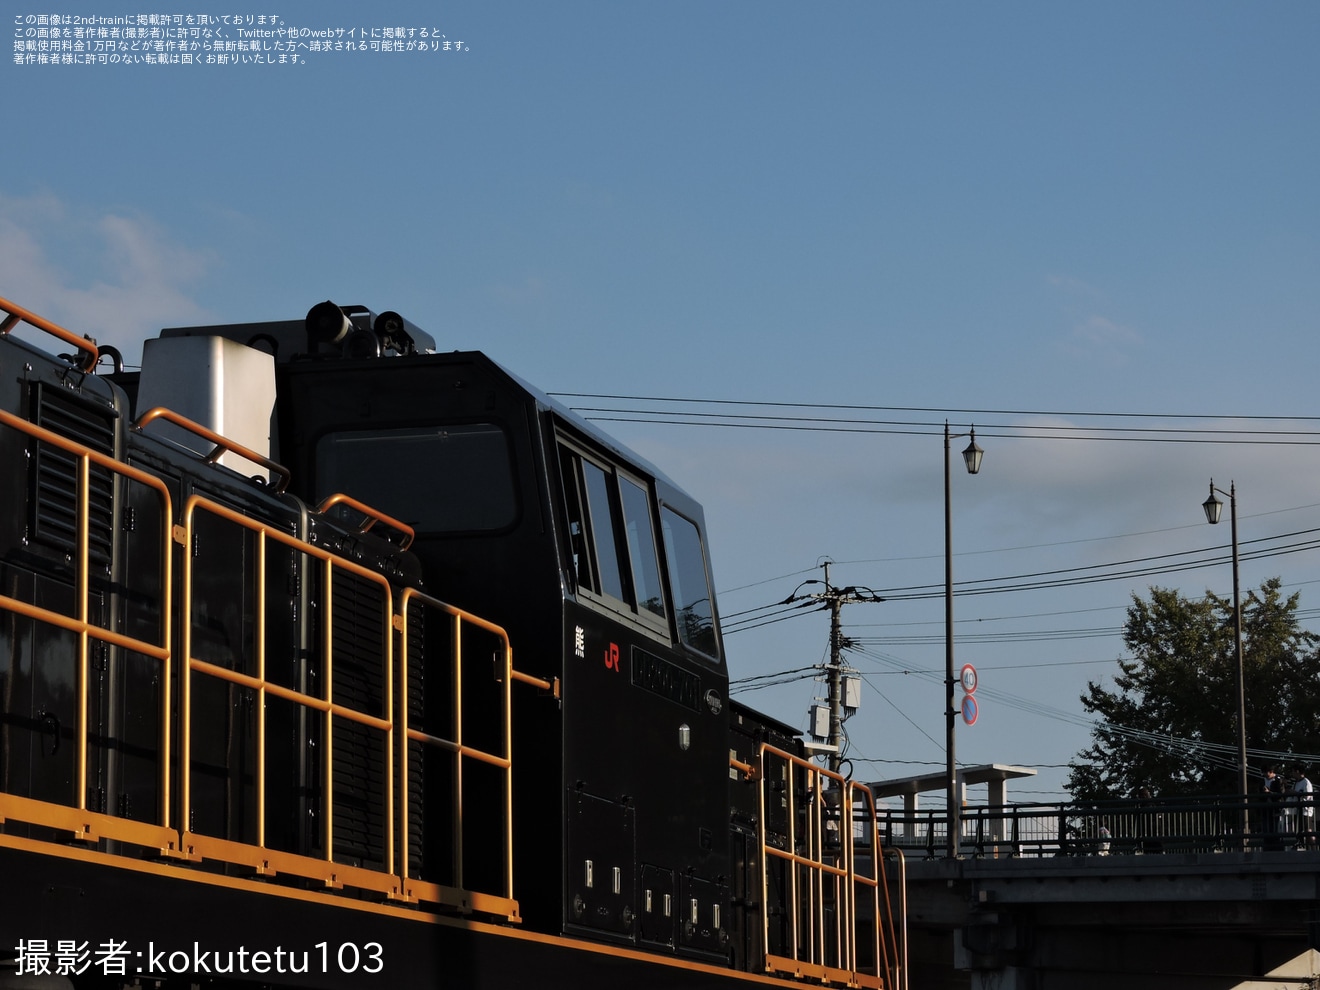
(288, 341)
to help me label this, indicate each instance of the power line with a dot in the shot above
(1012, 549)
(1064, 543)
(750, 418)
(928, 409)
(902, 714)
(1025, 636)
(1221, 756)
(1020, 433)
(827, 424)
(1067, 577)
(1076, 576)
(1018, 666)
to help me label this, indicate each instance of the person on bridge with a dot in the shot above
(1303, 795)
(1273, 811)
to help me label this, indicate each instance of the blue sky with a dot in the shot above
(1040, 208)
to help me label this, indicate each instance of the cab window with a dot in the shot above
(641, 547)
(453, 478)
(690, 582)
(612, 536)
(600, 508)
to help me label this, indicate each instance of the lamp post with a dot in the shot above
(972, 458)
(1213, 507)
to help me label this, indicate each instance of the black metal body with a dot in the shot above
(607, 760)
(631, 832)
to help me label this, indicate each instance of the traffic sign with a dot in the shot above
(968, 678)
(969, 709)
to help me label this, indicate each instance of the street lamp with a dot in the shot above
(1213, 507)
(972, 458)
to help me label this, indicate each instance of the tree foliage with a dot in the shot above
(1170, 720)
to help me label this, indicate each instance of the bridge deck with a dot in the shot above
(1175, 896)
(1184, 825)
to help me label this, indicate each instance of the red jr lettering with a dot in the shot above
(612, 657)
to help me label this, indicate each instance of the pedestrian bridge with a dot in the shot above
(1213, 893)
(1197, 824)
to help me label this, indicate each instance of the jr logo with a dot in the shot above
(612, 657)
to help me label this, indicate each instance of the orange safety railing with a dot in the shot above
(835, 879)
(223, 444)
(87, 824)
(388, 875)
(370, 517)
(456, 894)
(258, 856)
(15, 314)
(897, 918)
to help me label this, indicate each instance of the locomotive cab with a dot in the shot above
(620, 787)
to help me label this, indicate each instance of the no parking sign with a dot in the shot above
(969, 709)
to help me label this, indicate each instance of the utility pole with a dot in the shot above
(835, 599)
(835, 693)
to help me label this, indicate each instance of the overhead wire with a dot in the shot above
(758, 681)
(1210, 754)
(838, 424)
(1216, 756)
(780, 404)
(1221, 756)
(1067, 577)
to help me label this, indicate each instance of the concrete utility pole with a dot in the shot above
(836, 676)
(836, 598)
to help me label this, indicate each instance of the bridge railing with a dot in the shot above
(1112, 828)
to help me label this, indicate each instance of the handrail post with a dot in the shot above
(82, 583)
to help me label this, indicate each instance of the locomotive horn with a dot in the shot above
(327, 324)
(389, 327)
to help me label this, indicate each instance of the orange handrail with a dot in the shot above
(373, 516)
(257, 855)
(17, 314)
(503, 903)
(222, 444)
(86, 824)
(172, 833)
(824, 880)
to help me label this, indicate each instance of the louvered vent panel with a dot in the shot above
(359, 777)
(55, 519)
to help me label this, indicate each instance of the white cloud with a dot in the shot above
(1092, 335)
(1075, 286)
(1099, 333)
(116, 276)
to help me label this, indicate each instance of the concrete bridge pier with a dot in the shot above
(1210, 921)
(999, 952)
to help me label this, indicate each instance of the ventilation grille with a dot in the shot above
(359, 776)
(55, 492)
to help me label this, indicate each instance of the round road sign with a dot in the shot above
(968, 678)
(969, 710)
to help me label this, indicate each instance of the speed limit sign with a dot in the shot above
(968, 678)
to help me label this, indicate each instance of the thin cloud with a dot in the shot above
(117, 277)
(1075, 286)
(1099, 333)
(1091, 335)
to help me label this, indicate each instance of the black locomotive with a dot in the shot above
(330, 660)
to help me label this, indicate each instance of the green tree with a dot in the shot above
(1175, 696)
